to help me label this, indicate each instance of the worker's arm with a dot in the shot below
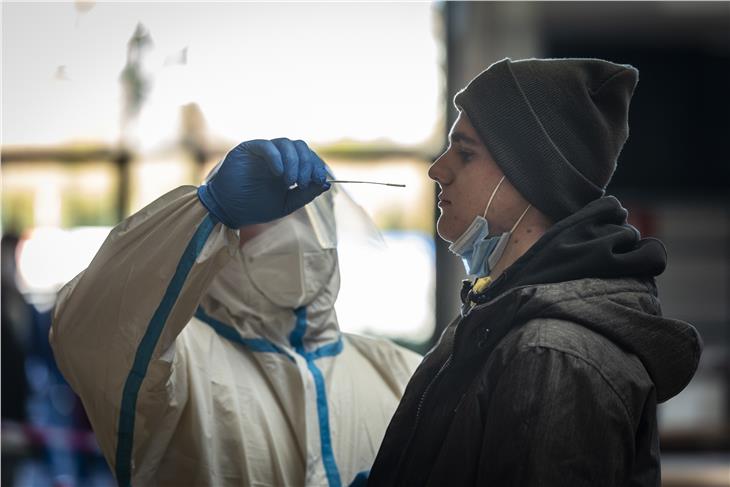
(115, 325)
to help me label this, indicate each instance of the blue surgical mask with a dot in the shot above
(478, 251)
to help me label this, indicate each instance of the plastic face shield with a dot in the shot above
(321, 215)
(336, 218)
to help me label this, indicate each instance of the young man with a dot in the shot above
(210, 357)
(552, 373)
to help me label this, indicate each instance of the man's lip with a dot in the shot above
(443, 203)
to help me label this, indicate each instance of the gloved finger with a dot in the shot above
(321, 172)
(298, 197)
(266, 150)
(291, 159)
(319, 168)
(327, 172)
(306, 163)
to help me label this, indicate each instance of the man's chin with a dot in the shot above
(444, 233)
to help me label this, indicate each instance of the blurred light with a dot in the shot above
(320, 72)
(93, 182)
(50, 257)
(391, 208)
(47, 198)
(51, 194)
(700, 406)
(389, 292)
(688, 470)
(157, 173)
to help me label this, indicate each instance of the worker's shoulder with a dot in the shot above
(383, 350)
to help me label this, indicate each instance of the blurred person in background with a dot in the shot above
(16, 328)
(42, 419)
(203, 338)
(553, 371)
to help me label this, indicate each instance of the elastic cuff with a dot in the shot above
(208, 200)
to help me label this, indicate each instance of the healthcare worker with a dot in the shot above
(205, 355)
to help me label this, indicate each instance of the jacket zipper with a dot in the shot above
(425, 393)
(418, 414)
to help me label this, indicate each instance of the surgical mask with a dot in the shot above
(478, 251)
(287, 264)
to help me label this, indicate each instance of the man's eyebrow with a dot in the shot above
(463, 138)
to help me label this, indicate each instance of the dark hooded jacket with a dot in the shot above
(552, 375)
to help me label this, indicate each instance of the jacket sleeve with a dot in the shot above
(555, 420)
(115, 324)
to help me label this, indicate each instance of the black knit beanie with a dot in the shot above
(554, 126)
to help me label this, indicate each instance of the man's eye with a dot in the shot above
(465, 155)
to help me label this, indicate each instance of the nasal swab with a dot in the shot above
(397, 185)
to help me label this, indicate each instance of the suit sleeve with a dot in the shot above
(115, 325)
(554, 420)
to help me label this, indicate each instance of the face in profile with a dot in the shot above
(466, 174)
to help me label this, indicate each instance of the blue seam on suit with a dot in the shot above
(143, 355)
(325, 437)
(296, 338)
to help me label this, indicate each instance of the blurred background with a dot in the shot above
(107, 106)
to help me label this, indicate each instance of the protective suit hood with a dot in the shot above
(283, 269)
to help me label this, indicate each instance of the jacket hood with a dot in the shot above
(593, 242)
(595, 270)
(627, 312)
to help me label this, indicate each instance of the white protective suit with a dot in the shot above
(192, 376)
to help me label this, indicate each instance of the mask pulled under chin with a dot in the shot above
(478, 252)
(287, 265)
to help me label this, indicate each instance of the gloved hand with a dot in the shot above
(252, 183)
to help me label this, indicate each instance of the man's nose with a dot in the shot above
(437, 171)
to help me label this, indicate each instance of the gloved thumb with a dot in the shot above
(298, 197)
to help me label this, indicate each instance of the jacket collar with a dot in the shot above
(483, 325)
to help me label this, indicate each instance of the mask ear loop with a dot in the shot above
(489, 203)
(483, 282)
(520, 219)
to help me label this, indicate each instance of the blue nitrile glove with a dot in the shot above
(252, 183)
